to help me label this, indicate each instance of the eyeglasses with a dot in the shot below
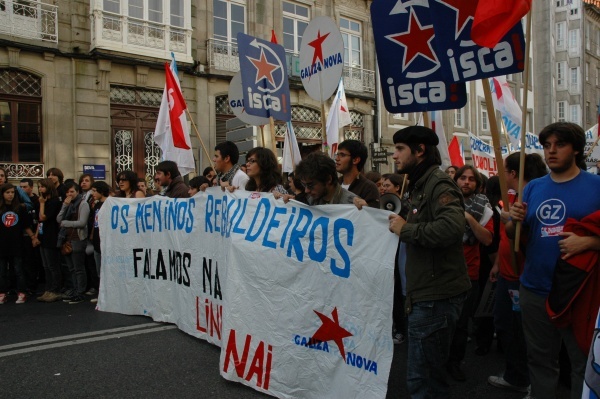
(251, 161)
(341, 155)
(310, 185)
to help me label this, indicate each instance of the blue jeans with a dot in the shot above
(15, 263)
(431, 326)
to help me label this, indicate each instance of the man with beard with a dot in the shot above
(546, 204)
(319, 179)
(479, 229)
(349, 161)
(436, 273)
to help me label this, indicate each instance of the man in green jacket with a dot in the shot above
(436, 272)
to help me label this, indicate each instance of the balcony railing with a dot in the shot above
(121, 33)
(223, 55)
(30, 19)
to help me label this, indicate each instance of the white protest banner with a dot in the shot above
(300, 297)
(483, 156)
(591, 136)
(532, 145)
(156, 263)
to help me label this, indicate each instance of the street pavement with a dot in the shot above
(73, 351)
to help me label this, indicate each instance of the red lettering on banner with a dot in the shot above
(256, 366)
(213, 318)
(485, 163)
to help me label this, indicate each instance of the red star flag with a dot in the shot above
(494, 18)
(172, 133)
(339, 116)
(291, 152)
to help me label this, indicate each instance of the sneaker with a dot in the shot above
(43, 297)
(92, 292)
(500, 382)
(2, 298)
(398, 339)
(52, 297)
(94, 300)
(22, 298)
(76, 299)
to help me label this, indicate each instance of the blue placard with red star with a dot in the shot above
(264, 78)
(410, 68)
(461, 59)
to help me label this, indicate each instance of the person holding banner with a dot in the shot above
(228, 171)
(168, 176)
(320, 181)
(544, 208)
(350, 160)
(263, 171)
(436, 273)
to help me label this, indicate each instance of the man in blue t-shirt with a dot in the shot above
(567, 192)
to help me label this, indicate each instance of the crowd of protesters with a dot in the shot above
(53, 237)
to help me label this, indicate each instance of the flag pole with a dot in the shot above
(262, 135)
(426, 121)
(290, 144)
(200, 138)
(524, 125)
(273, 139)
(403, 185)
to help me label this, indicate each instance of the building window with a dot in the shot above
(574, 111)
(574, 78)
(229, 20)
(560, 74)
(295, 20)
(352, 34)
(561, 110)
(560, 3)
(587, 38)
(587, 71)
(574, 41)
(20, 117)
(560, 35)
(485, 125)
(588, 112)
(459, 119)
(152, 28)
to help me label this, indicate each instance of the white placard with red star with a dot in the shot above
(321, 58)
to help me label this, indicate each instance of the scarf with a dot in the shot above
(417, 172)
(228, 176)
(71, 210)
(475, 205)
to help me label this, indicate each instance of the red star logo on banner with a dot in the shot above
(465, 10)
(417, 40)
(317, 45)
(331, 330)
(264, 69)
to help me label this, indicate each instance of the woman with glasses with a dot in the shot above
(127, 181)
(263, 171)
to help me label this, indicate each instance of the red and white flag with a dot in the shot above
(505, 102)
(172, 133)
(339, 116)
(455, 153)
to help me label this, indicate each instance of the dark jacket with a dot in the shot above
(365, 189)
(177, 189)
(435, 264)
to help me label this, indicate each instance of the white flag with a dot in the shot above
(291, 152)
(164, 135)
(339, 116)
(438, 127)
(504, 101)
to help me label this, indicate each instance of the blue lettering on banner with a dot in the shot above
(302, 234)
(155, 216)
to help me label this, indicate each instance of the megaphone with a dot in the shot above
(390, 202)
